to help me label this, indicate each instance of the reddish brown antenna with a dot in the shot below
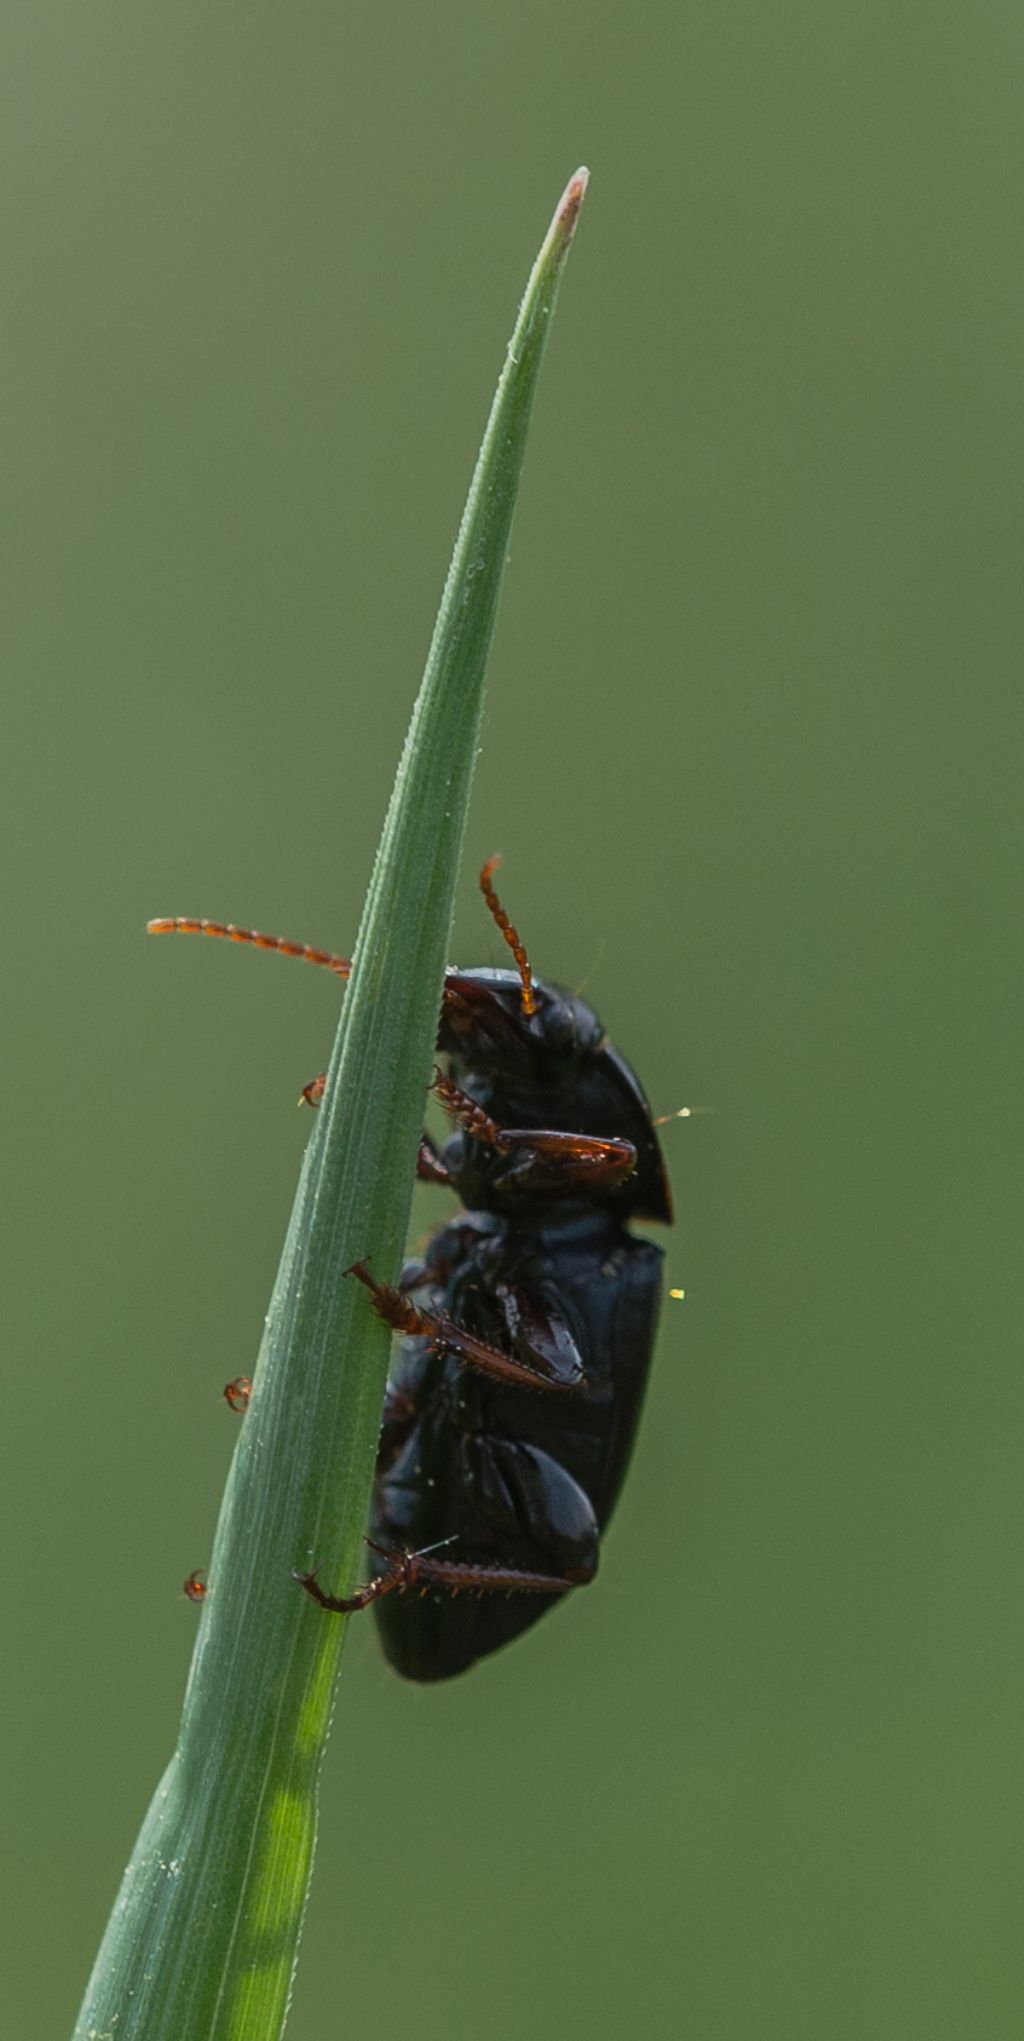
(179, 924)
(528, 998)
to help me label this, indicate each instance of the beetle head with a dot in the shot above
(553, 1069)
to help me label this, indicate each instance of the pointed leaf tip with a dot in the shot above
(569, 204)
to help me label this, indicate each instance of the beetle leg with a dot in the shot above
(398, 1311)
(544, 1161)
(313, 1092)
(405, 1570)
(429, 1166)
(464, 1107)
(347, 1605)
(540, 1159)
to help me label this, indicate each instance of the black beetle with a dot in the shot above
(528, 1324)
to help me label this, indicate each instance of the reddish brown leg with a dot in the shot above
(469, 1114)
(429, 1166)
(445, 1336)
(540, 1159)
(405, 1570)
(237, 1394)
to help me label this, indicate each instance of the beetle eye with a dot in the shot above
(557, 1025)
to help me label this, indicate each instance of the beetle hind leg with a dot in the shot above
(405, 1571)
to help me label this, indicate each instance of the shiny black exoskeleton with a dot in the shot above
(519, 1482)
(514, 1398)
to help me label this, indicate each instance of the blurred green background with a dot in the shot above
(752, 755)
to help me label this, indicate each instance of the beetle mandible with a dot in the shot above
(528, 1324)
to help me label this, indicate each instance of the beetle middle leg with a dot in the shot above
(554, 1363)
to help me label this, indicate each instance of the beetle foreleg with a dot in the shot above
(543, 1160)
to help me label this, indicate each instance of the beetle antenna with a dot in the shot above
(178, 924)
(528, 997)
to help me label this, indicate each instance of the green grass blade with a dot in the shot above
(202, 1942)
